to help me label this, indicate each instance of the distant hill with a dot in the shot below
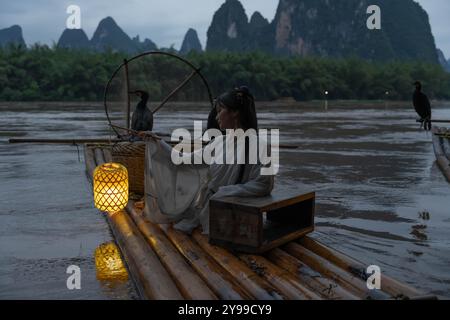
(191, 42)
(147, 45)
(443, 61)
(322, 28)
(328, 29)
(229, 29)
(74, 39)
(11, 35)
(107, 36)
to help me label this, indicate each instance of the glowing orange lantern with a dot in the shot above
(110, 187)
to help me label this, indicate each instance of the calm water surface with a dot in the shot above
(373, 171)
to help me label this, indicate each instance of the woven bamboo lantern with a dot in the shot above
(110, 187)
(108, 263)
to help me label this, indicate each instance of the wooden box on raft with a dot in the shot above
(255, 225)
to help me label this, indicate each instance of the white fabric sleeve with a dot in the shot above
(256, 186)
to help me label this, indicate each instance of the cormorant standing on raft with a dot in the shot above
(142, 119)
(422, 106)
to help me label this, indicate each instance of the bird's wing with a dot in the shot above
(426, 105)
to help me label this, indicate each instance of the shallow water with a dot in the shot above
(373, 171)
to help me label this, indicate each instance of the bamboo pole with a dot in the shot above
(107, 155)
(435, 121)
(279, 278)
(325, 287)
(132, 268)
(99, 158)
(127, 78)
(150, 277)
(187, 281)
(105, 140)
(89, 160)
(136, 133)
(147, 269)
(213, 274)
(176, 90)
(247, 278)
(62, 141)
(323, 266)
(389, 285)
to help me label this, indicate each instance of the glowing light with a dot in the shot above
(108, 263)
(110, 187)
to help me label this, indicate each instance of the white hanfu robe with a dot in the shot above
(181, 193)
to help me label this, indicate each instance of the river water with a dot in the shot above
(371, 166)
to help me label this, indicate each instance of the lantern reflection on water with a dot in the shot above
(108, 263)
(110, 187)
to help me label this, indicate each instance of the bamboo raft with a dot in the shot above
(441, 146)
(169, 265)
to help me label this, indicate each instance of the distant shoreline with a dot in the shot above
(205, 105)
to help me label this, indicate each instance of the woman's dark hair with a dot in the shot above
(240, 99)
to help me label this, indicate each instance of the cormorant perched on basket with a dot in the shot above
(142, 119)
(422, 106)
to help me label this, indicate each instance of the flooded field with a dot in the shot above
(372, 168)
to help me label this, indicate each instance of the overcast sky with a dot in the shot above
(163, 21)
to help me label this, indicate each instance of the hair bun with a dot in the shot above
(245, 90)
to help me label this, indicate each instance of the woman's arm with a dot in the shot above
(257, 185)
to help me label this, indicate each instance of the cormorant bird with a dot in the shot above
(422, 106)
(142, 119)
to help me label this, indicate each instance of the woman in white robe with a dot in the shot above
(181, 193)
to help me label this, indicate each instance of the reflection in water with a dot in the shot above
(109, 264)
(373, 171)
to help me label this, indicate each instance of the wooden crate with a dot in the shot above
(255, 225)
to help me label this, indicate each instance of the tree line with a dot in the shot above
(41, 73)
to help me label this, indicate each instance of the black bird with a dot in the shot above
(422, 106)
(142, 119)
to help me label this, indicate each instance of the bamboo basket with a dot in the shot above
(132, 156)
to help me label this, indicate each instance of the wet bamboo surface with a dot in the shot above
(167, 264)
